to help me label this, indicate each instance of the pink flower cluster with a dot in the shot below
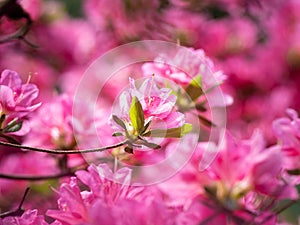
(109, 199)
(216, 120)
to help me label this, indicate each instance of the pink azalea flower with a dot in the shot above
(256, 171)
(65, 125)
(184, 66)
(16, 99)
(29, 217)
(42, 74)
(204, 211)
(238, 169)
(157, 103)
(56, 119)
(131, 212)
(104, 185)
(287, 130)
(110, 200)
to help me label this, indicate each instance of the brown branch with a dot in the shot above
(284, 207)
(65, 173)
(35, 177)
(14, 11)
(19, 211)
(19, 35)
(280, 210)
(51, 151)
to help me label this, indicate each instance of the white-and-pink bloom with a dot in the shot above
(158, 105)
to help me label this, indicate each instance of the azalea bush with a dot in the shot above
(173, 112)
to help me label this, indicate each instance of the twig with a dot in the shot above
(14, 11)
(280, 210)
(51, 151)
(23, 198)
(35, 177)
(19, 211)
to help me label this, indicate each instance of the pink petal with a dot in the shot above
(29, 93)
(11, 79)
(6, 97)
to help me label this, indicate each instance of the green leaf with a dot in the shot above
(117, 134)
(2, 118)
(170, 133)
(42, 188)
(194, 89)
(151, 145)
(119, 121)
(10, 139)
(294, 172)
(13, 126)
(201, 107)
(129, 149)
(146, 127)
(206, 121)
(212, 191)
(136, 115)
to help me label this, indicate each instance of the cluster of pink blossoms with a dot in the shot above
(208, 133)
(217, 194)
(109, 199)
